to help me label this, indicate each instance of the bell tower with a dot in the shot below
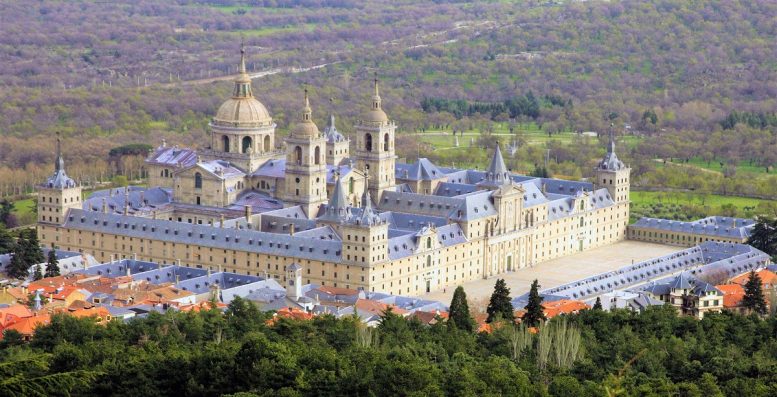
(305, 182)
(375, 146)
(58, 194)
(613, 175)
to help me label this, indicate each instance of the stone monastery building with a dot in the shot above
(344, 211)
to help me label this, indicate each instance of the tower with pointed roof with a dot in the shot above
(364, 236)
(613, 175)
(375, 146)
(337, 144)
(338, 210)
(497, 174)
(305, 179)
(242, 131)
(58, 194)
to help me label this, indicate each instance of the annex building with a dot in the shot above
(346, 212)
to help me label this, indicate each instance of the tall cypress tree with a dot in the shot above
(458, 315)
(754, 294)
(534, 313)
(17, 268)
(52, 264)
(598, 304)
(7, 242)
(38, 273)
(30, 248)
(499, 306)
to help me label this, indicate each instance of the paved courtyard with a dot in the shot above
(562, 270)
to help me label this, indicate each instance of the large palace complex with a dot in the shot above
(344, 212)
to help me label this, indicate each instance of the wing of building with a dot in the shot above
(248, 204)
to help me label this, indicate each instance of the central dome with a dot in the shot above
(242, 112)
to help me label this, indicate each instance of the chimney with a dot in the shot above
(105, 206)
(248, 213)
(153, 214)
(291, 229)
(221, 224)
(211, 222)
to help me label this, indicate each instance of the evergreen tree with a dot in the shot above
(38, 273)
(17, 268)
(598, 304)
(458, 315)
(534, 313)
(764, 235)
(6, 241)
(499, 306)
(30, 247)
(52, 264)
(754, 294)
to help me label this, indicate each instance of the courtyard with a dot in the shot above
(560, 271)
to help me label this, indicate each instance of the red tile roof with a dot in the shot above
(732, 294)
(768, 278)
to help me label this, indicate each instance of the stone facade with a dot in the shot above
(362, 222)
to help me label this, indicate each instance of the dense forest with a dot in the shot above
(696, 81)
(655, 353)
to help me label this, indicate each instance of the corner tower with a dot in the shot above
(58, 194)
(242, 131)
(613, 175)
(305, 164)
(375, 146)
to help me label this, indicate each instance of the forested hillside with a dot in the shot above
(207, 354)
(696, 81)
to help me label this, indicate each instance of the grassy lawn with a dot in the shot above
(691, 206)
(23, 210)
(715, 165)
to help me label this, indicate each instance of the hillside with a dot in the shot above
(670, 71)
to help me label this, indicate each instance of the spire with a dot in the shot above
(611, 147)
(306, 111)
(497, 171)
(337, 209)
(610, 162)
(366, 194)
(59, 163)
(243, 80)
(242, 67)
(376, 97)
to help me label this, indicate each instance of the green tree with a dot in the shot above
(534, 313)
(598, 304)
(7, 242)
(754, 295)
(30, 248)
(499, 307)
(17, 267)
(458, 314)
(52, 264)
(37, 274)
(764, 235)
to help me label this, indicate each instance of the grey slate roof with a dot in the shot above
(610, 161)
(497, 173)
(421, 170)
(59, 180)
(331, 133)
(173, 157)
(204, 235)
(338, 209)
(715, 226)
(140, 199)
(706, 259)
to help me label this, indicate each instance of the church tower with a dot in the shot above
(242, 131)
(365, 237)
(58, 194)
(375, 146)
(337, 145)
(305, 164)
(613, 175)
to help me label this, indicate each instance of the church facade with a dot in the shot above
(247, 204)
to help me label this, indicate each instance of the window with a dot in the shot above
(368, 142)
(198, 181)
(428, 242)
(350, 186)
(267, 143)
(225, 143)
(386, 142)
(247, 144)
(317, 155)
(298, 155)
